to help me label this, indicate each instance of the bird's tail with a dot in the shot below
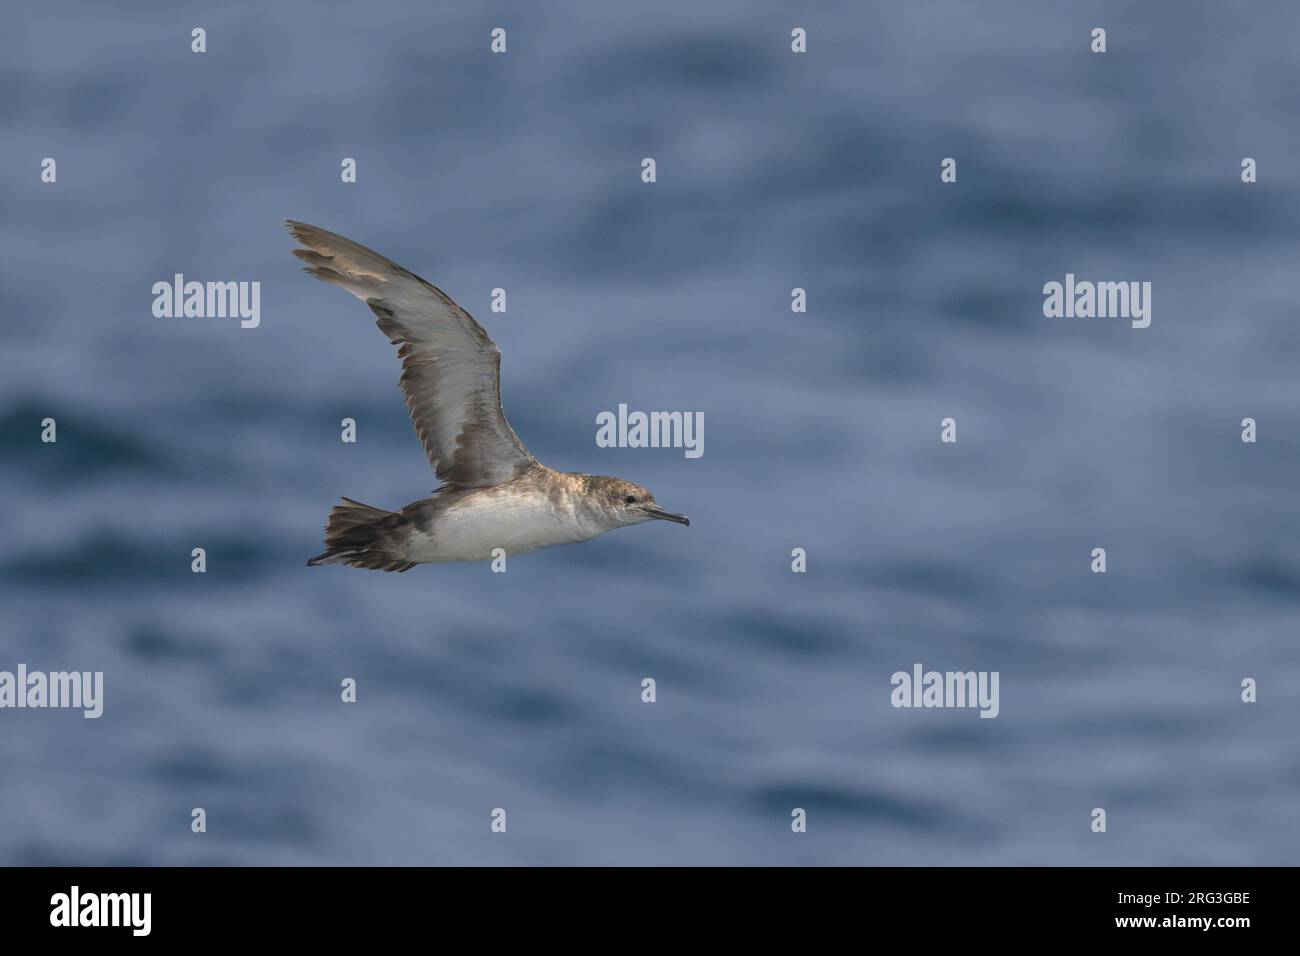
(364, 537)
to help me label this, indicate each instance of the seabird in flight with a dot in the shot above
(494, 493)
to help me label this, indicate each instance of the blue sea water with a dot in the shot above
(775, 170)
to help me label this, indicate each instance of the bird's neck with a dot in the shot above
(570, 495)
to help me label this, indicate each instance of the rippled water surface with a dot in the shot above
(522, 690)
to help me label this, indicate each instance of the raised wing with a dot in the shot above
(451, 370)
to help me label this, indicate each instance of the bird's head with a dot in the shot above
(630, 503)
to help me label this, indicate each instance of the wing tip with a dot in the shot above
(309, 235)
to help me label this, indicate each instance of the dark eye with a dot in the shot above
(630, 499)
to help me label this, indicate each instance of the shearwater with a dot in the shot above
(494, 493)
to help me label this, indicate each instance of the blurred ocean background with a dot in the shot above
(775, 170)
